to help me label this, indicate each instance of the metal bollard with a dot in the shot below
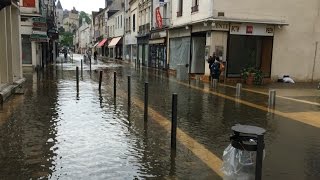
(174, 121)
(81, 68)
(100, 81)
(259, 157)
(146, 94)
(77, 77)
(238, 89)
(272, 98)
(214, 83)
(115, 86)
(129, 92)
(90, 65)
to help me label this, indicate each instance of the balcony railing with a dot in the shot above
(144, 29)
(195, 8)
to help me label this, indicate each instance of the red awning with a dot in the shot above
(102, 43)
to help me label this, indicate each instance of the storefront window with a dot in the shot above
(249, 51)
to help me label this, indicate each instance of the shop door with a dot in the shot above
(26, 50)
(179, 52)
(198, 55)
(266, 56)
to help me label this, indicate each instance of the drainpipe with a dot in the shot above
(314, 60)
(190, 61)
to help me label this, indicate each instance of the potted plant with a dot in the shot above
(258, 77)
(247, 74)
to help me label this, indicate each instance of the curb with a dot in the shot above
(10, 90)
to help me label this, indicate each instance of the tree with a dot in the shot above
(66, 39)
(84, 15)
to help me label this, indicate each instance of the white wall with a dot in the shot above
(205, 11)
(118, 31)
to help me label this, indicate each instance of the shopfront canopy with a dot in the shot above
(114, 42)
(96, 44)
(102, 43)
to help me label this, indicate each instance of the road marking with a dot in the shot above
(210, 159)
(283, 97)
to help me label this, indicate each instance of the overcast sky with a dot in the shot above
(83, 5)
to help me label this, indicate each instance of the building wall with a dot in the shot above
(59, 13)
(118, 26)
(294, 48)
(205, 11)
(10, 45)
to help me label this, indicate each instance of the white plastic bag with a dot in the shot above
(238, 164)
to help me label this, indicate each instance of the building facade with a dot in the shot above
(273, 38)
(131, 30)
(10, 45)
(84, 36)
(71, 20)
(59, 14)
(115, 30)
(158, 43)
(38, 32)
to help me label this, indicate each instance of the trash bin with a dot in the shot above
(242, 159)
(182, 72)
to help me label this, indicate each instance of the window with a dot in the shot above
(134, 22)
(118, 21)
(195, 6)
(129, 24)
(121, 21)
(180, 7)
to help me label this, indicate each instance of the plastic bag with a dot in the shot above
(238, 164)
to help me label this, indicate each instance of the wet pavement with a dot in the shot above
(53, 132)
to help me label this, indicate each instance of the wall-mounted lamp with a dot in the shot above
(187, 27)
(213, 24)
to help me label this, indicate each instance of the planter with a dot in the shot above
(250, 79)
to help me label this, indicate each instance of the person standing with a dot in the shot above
(215, 68)
(95, 55)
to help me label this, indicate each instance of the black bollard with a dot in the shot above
(259, 157)
(129, 92)
(77, 77)
(81, 69)
(146, 94)
(90, 65)
(174, 121)
(115, 85)
(100, 81)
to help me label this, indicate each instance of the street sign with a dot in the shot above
(158, 18)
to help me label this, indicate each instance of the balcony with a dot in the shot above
(144, 29)
(195, 8)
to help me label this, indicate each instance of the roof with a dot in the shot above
(59, 5)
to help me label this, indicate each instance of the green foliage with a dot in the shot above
(84, 15)
(66, 39)
(252, 71)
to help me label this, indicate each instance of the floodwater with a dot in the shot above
(53, 132)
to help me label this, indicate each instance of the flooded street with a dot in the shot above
(51, 132)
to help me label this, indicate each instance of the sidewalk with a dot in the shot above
(6, 90)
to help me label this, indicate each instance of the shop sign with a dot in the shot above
(29, 3)
(38, 38)
(252, 29)
(39, 24)
(158, 17)
(39, 32)
(39, 19)
(156, 35)
(220, 26)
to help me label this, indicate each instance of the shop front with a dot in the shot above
(250, 45)
(115, 48)
(143, 50)
(158, 50)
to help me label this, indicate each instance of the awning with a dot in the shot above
(102, 43)
(114, 42)
(157, 41)
(95, 44)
